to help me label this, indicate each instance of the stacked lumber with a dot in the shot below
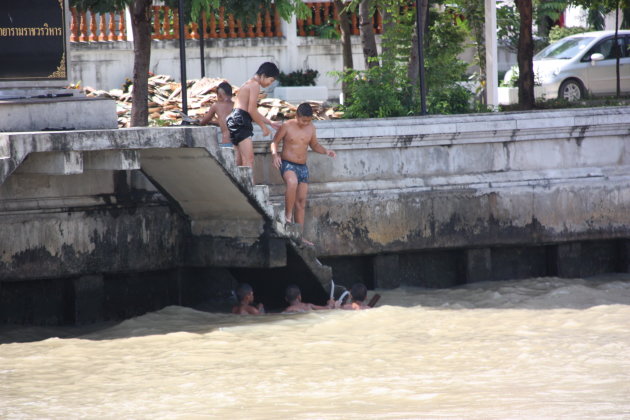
(165, 102)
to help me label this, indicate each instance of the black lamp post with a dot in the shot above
(201, 46)
(182, 58)
(420, 34)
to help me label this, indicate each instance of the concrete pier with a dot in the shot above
(107, 224)
(119, 222)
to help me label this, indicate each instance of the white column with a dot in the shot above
(492, 77)
(128, 24)
(289, 29)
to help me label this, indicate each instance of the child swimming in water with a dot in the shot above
(293, 295)
(358, 293)
(245, 295)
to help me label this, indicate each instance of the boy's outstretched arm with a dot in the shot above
(277, 160)
(318, 148)
(207, 118)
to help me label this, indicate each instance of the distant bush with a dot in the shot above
(376, 93)
(454, 99)
(298, 78)
(556, 33)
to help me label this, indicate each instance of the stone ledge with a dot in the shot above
(69, 113)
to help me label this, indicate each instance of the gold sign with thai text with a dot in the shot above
(32, 40)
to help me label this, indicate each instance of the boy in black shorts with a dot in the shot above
(239, 122)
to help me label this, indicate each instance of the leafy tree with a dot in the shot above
(474, 12)
(368, 39)
(546, 13)
(557, 33)
(346, 42)
(387, 90)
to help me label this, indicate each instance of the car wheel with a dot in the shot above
(571, 90)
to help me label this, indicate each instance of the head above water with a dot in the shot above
(226, 88)
(292, 293)
(243, 291)
(358, 292)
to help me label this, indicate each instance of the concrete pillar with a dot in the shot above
(624, 253)
(89, 298)
(478, 265)
(289, 29)
(568, 260)
(492, 60)
(128, 25)
(386, 271)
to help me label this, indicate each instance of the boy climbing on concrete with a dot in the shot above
(219, 111)
(296, 135)
(239, 122)
(293, 295)
(245, 295)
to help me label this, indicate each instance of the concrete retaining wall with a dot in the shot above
(487, 181)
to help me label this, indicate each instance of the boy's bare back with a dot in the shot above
(247, 90)
(221, 109)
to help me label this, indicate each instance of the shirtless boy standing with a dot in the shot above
(297, 135)
(239, 122)
(219, 111)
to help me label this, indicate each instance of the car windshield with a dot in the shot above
(564, 49)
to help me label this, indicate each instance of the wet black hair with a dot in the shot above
(358, 292)
(226, 88)
(268, 69)
(292, 292)
(305, 110)
(243, 290)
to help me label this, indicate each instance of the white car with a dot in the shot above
(581, 64)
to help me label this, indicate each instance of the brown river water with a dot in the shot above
(543, 348)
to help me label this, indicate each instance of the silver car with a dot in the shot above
(582, 64)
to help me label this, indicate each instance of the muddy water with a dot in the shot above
(538, 348)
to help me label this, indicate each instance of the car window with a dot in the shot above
(564, 49)
(606, 49)
(626, 47)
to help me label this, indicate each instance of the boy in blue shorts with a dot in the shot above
(296, 136)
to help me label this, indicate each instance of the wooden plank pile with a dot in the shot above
(165, 102)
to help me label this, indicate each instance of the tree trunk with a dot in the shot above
(368, 40)
(141, 25)
(346, 41)
(413, 70)
(525, 56)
